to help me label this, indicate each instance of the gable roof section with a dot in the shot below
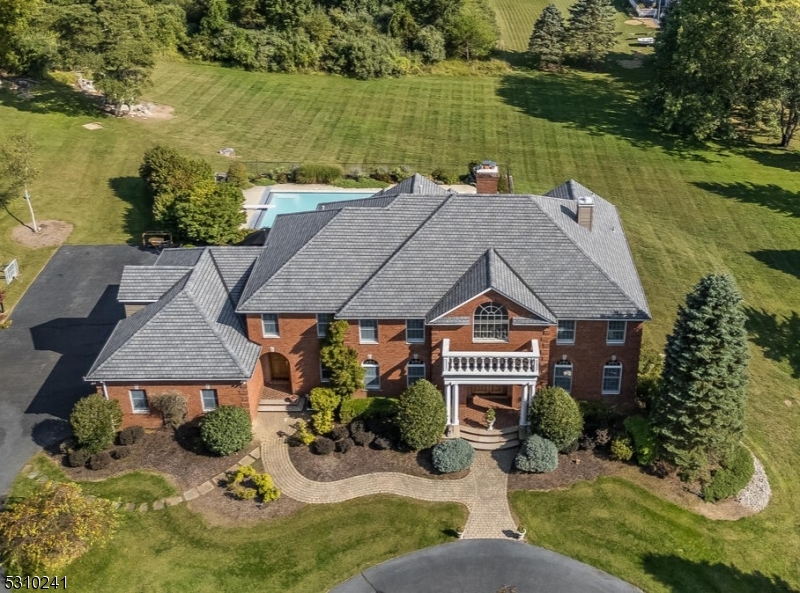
(336, 259)
(147, 284)
(570, 190)
(191, 333)
(490, 272)
(414, 185)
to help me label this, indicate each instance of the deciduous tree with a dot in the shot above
(698, 414)
(210, 213)
(548, 40)
(472, 32)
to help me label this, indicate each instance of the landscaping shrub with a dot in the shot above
(314, 173)
(324, 402)
(242, 492)
(363, 438)
(602, 437)
(571, 448)
(240, 474)
(452, 455)
(731, 477)
(172, 406)
(537, 455)
(322, 422)
(121, 452)
(357, 426)
(100, 460)
(445, 176)
(367, 407)
(587, 443)
(237, 175)
(621, 448)
(661, 469)
(555, 416)
(644, 439)
(78, 458)
(323, 446)
(382, 443)
(344, 445)
(95, 421)
(421, 415)
(130, 435)
(596, 414)
(226, 430)
(266, 487)
(302, 435)
(339, 432)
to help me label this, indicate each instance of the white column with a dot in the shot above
(448, 400)
(454, 405)
(523, 408)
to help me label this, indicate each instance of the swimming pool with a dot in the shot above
(285, 202)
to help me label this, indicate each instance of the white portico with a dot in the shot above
(488, 368)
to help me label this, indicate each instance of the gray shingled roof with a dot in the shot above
(191, 333)
(414, 185)
(490, 272)
(147, 284)
(405, 259)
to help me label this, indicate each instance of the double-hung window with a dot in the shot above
(269, 325)
(372, 377)
(414, 372)
(612, 378)
(616, 332)
(368, 331)
(323, 321)
(209, 399)
(566, 331)
(139, 403)
(562, 375)
(415, 331)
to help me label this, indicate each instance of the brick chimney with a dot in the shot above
(487, 176)
(585, 212)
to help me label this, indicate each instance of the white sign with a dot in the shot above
(11, 271)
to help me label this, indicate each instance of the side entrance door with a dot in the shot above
(279, 367)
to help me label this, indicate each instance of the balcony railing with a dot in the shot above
(486, 364)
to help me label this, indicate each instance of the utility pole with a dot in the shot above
(30, 207)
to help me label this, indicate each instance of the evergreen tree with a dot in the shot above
(547, 44)
(347, 374)
(591, 32)
(699, 412)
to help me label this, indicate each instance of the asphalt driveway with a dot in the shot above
(59, 327)
(484, 566)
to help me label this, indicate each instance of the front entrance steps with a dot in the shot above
(276, 398)
(489, 440)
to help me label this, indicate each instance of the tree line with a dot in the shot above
(117, 41)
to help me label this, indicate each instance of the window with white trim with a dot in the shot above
(414, 372)
(562, 375)
(209, 399)
(616, 332)
(269, 325)
(324, 374)
(415, 331)
(490, 323)
(612, 378)
(139, 403)
(566, 331)
(368, 331)
(323, 321)
(372, 377)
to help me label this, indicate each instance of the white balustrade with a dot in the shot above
(506, 364)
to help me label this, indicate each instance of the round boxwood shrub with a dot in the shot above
(226, 430)
(339, 432)
(363, 438)
(95, 421)
(733, 475)
(121, 452)
(100, 460)
(344, 445)
(421, 415)
(78, 458)
(452, 455)
(323, 446)
(557, 417)
(621, 449)
(131, 435)
(537, 455)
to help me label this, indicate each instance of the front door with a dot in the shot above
(278, 367)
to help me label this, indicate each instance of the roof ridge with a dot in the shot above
(397, 250)
(591, 259)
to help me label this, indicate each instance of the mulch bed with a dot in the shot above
(365, 460)
(575, 467)
(181, 457)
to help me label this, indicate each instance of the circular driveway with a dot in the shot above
(484, 566)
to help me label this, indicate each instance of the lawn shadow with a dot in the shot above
(778, 337)
(597, 105)
(680, 574)
(139, 214)
(788, 160)
(52, 97)
(783, 260)
(771, 196)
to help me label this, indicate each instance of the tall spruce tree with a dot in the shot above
(548, 40)
(699, 412)
(591, 31)
(347, 374)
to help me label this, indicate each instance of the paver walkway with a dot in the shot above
(483, 491)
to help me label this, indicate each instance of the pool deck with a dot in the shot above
(254, 196)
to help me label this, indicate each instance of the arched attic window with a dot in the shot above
(490, 323)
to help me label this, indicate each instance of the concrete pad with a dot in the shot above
(247, 460)
(158, 505)
(191, 494)
(205, 487)
(144, 507)
(174, 500)
(233, 468)
(130, 506)
(256, 453)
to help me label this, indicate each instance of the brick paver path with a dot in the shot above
(483, 491)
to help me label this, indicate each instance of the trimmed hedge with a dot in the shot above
(95, 421)
(644, 439)
(314, 173)
(421, 415)
(537, 455)
(367, 407)
(729, 479)
(453, 455)
(226, 430)
(555, 416)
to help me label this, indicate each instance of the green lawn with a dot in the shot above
(687, 211)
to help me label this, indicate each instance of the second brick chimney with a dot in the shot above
(487, 176)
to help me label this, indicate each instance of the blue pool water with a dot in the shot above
(303, 201)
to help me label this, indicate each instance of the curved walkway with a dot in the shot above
(483, 491)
